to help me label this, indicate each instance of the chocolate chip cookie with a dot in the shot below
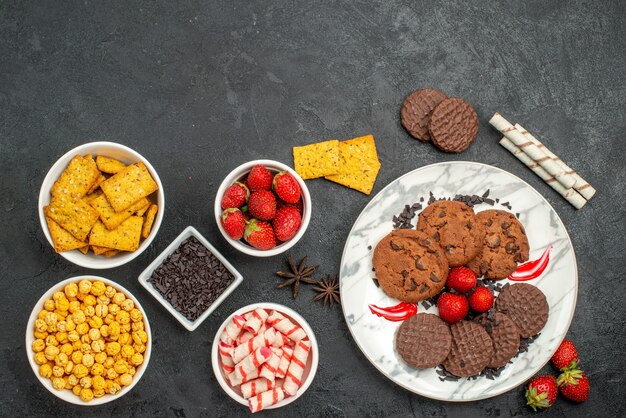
(455, 228)
(471, 349)
(416, 110)
(505, 245)
(526, 305)
(423, 341)
(410, 269)
(504, 334)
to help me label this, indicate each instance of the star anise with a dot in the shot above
(328, 290)
(301, 273)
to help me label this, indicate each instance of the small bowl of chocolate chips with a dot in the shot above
(190, 278)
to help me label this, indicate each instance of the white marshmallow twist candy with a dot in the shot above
(280, 340)
(269, 368)
(250, 364)
(243, 337)
(234, 327)
(255, 320)
(265, 399)
(236, 381)
(262, 340)
(256, 386)
(284, 362)
(284, 325)
(293, 378)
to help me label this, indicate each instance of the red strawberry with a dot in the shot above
(262, 205)
(260, 235)
(235, 196)
(452, 307)
(481, 299)
(461, 279)
(541, 392)
(566, 356)
(234, 223)
(260, 178)
(286, 187)
(574, 385)
(286, 222)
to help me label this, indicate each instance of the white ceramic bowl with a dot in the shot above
(242, 171)
(67, 394)
(311, 365)
(125, 155)
(145, 276)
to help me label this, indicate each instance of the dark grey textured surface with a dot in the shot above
(199, 87)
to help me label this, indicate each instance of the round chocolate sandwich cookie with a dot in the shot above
(455, 228)
(423, 341)
(453, 125)
(410, 269)
(526, 305)
(504, 334)
(416, 109)
(505, 245)
(471, 349)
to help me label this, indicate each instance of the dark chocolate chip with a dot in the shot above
(412, 284)
(436, 236)
(419, 266)
(434, 278)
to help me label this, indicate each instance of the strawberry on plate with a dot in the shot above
(286, 222)
(566, 356)
(260, 178)
(461, 279)
(481, 299)
(234, 223)
(452, 307)
(235, 196)
(262, 205)
(574, 385)
(541, 392)
(260, 235)
(286, 187)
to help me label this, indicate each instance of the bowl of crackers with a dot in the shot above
(88, 340)
(101, 205)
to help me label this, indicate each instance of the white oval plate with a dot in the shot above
(376, 336)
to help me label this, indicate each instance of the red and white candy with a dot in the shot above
(296, 367)
(265, 399)
(269, 369)
(251, 363)
(226, 356)
(284, 362)
(284, 325)
(255, 320)
(233, 328)
(256, 386)
(262, 340)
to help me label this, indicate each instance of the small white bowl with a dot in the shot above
(125, 155)
(242, 171)
(312, 360)
(147, 273)
(66, 394)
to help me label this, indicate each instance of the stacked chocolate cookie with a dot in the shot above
(429, 115)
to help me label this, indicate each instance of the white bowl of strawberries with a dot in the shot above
(263, 208)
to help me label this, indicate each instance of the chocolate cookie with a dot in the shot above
(526, 305)
(453, 125)
(505, 245)
(455, 228)
(416, 109)
(504, 334)
(471, 349)
(423, 341)
(410, 269)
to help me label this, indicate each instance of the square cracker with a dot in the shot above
(109, 165)
(317, 160)
(128, 186)
(96, 184)
(143, 210)
(359, 164)
(147, 225)
(125, 237)
(109, 217)
(111, 253)
(91, 196)
(84, 250)
(99, 250)
(63, 240)
(77, 179)
(74, 215)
